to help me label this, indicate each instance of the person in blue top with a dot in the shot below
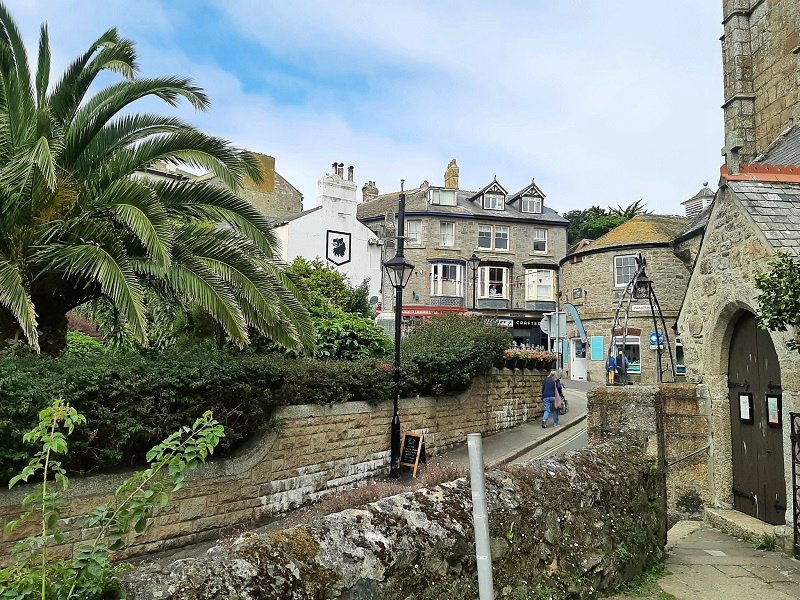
(549, 391)
(622, 368)
(611, 368)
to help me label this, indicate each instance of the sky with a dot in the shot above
(602, 102)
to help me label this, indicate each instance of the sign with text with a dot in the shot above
(412, 451)
(525, 323)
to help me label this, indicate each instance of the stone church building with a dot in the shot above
(750, 378)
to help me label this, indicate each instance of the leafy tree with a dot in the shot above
(591, 223)
(630, 211)
(341, 313)
(78, 220)
(779, 297)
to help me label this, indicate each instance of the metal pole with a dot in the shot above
(474, 286)
(480, 517)
(394, 467)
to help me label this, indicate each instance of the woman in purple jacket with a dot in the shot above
(549, 390)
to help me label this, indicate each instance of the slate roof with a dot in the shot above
(697, 226)
(775, 207)
(301, 214)
(641, 229)
(785, 150)
(417, 205)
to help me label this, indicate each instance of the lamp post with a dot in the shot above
(474, 262)
(398, 270)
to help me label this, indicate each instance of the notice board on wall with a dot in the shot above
(598, 347)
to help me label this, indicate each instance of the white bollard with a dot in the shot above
(480, 517)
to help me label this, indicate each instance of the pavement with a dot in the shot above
(703, 563)
(706, 564)
(509, 444)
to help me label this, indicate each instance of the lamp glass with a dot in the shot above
(399, 271)
(474, 261)
(641, 289)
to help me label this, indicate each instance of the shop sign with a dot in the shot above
(525, 323)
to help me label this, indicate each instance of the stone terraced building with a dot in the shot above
(519, 240)
(593, 279)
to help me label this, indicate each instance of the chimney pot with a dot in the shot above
(350, 173)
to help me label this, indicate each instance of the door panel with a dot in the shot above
(759, 488)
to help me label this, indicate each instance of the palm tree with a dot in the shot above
(79, 221)
(630, 211)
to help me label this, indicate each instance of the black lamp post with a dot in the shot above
(474, 262)
(398, 270)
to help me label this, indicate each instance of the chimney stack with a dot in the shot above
(451, 175)
(369, 191)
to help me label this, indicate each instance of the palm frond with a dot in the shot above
(16, 298)
(43, 68)
(112, 272)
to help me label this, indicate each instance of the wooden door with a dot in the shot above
(759, 487)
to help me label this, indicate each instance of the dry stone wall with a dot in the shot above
(672, 420)
(311, 451)
(569, 527)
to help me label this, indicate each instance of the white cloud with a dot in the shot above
(603, 103)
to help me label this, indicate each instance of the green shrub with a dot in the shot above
(349, 336)
(82, 345)
(445, 353)
(132, 401)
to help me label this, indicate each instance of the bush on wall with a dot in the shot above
(446, 352)
(133, 400)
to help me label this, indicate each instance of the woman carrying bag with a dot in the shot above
(549, 394)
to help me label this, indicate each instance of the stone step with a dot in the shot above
(748, 528)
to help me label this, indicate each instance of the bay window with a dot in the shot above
(443, 197)
(539, 285)
(447, 280)
(493, 282)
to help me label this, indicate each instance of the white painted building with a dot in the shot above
(332, 233)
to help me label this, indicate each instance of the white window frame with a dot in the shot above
(416, 239)
(542, 239)
(494, 201)
(442, 275)
(630, 341)
(485, 283)
(530, 204)
(493, 231)
(618, 266)
(443, 225)
(442, 197)
(532, 287)
(496, 235)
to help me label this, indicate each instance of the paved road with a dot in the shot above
(571, 439)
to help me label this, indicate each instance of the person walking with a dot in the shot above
(622, 368)
(611, 369)
(549, 391)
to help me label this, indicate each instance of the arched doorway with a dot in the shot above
(754, 381)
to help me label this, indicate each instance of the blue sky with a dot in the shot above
(603, 102)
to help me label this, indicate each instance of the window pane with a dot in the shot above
(540, 240)
(493, 201)
(496, 281)
(413, 229)
(624, 269)
(544, 285)
(501, 238)
(484, 236)
(447, 234)
(530, 204)
(632, 353)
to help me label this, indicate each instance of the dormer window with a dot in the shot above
(530, 204)
(494, 201)
(442, 197)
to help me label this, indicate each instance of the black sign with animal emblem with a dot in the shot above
(412, 451)
(338, 250)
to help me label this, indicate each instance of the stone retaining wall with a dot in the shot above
(564, 528)
(312, 450)
(673, 422)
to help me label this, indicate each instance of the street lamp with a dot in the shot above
(641, 287)
(398, 270)
(474, 262)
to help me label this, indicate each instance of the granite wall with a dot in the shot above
(311, 451)
(563, 528)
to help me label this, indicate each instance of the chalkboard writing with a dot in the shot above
(412, 451)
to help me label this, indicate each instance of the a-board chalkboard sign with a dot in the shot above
(412, 451)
